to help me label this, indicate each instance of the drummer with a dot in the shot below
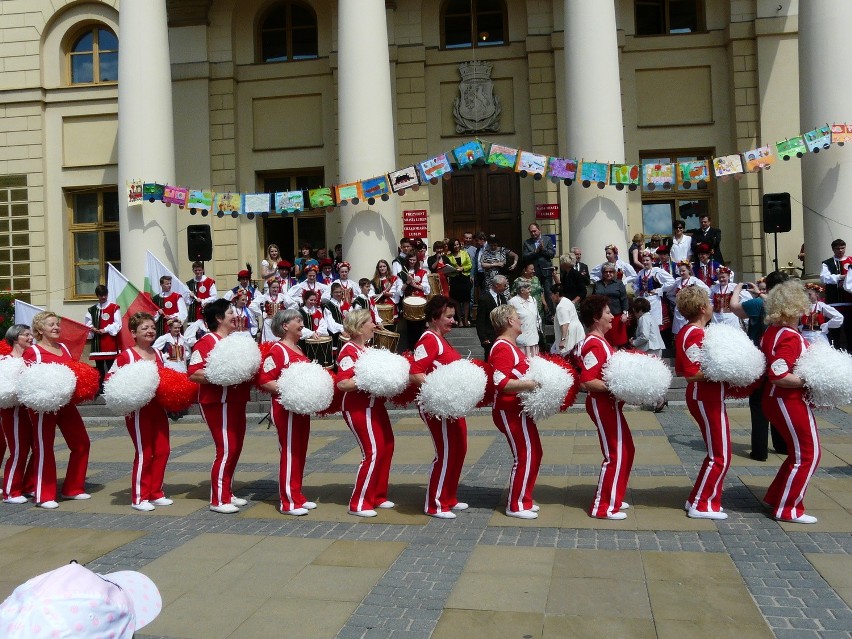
(387, 287)
(312, 316)
(416, 286)
(265, 306)
(366, 300)
(350, 288)
(333, 313)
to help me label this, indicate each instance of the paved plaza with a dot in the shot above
(403, 574)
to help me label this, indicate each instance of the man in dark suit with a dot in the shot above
(488, 301)
(539, 250)
(833, 275)
(581, 266)
(707, 235)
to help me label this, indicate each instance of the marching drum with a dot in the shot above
(386, 312)
(434, 285)
(386, 339)
(414, 309)
(318, 349)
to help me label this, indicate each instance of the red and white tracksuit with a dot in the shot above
(509, 364)
(613, 430)
(148, 427)
(788, 411)
(294, 429)
(368, 420)
(224, 410)
(19, 474)
(70, 424)
(448, 435)
(706, 403)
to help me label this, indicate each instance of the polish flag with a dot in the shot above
(129, 298)
(73, 335)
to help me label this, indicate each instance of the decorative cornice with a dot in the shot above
(188, 13)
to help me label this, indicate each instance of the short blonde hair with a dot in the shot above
(568, 260)
(691, 302)
(499, 317)
(786, 303)
(38, 323)
(354, 322)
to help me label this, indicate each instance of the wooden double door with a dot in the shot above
(481, 199)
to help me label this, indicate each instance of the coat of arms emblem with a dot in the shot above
(477, 108)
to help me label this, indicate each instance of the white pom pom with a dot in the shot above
(381, 373)
(636, 378)
(827, 373)
(10, 370)
(305, 388)
(554, 382)
(453, 390)
(234, 360)
(728, 355)
(45, 388)
(131, 387)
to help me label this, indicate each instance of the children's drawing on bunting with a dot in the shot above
(469, 153)
(624, 175)
(693, 175)
(435, 167)
(531, 164)
(760, 158)
(289, 202)
(404, 179)
(349, 192)
(200, 201)
(153, 192)
(134, 192)
(593, 172)
(792, 147)
(504, 156)
(175, 195)
(376, 187)
(256, 204)
(818, 139)
(228, 203)
(728, 165)
(320, 198)
(841, 134)
(657, 175)
(564, 169)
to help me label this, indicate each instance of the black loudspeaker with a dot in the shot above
(199, 244)
(776, 213)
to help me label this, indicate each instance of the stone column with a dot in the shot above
(366, 131)
(594, 128)
(145, 134)
(827, 175)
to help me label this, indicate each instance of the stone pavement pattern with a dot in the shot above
(405, 575)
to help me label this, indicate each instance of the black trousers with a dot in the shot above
(761, 429)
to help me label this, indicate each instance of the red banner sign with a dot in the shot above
(547, 211)
(415, 223)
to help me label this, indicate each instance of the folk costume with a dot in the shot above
(195, 332)
(623, 272)
(105, 347)
(649, 283)
(265, 306)
(449, 436)
(172, 306)
(332, 312)
(174, 351)
(671, 290)
(820, 319)
(720, 296)
(369, 422)
(202, 291)
(708, 272)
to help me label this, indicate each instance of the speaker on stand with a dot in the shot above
(777, 217)
(199, 243)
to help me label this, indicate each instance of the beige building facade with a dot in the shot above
(257, 97)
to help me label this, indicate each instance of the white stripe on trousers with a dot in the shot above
(798, 453)
(13, 466)
(40, 435)
(607, 457)
(520, 504)
(289, 463)
(371, 435)
(446, 460)
(136, 497)
(710, 454)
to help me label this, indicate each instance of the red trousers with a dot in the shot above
(149, 429)
(450, 439)
(70, 424)
(522, 434)
(795, 422)
(372, 428)
(712, 418)
(294, 430)
(19, 475)
(618, 451)
(227, 424)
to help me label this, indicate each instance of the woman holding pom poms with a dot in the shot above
(785, 405)
(510, 364)
(149, 426)
(448, 435)
(368, 420)
(605, 411)
(48, 349)
(223, 408)
(19, 475)
(706, 402)
(294, 429)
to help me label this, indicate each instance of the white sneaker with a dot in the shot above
(163, 501)
(687, 506)
(144, 506)
(296, 512)
(79, 497)
(461, 506)
(363, 513)
(706, 514)
(238, 501)
(49, 505)
(614, 516)
(386, 504)
(20, 499)
(535, 508)
(310, 505)
(624, 506)
(801, 519)
(225, 509)
(522, 514)
(446, 514)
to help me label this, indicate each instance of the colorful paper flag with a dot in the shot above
(468, 153)
(792, 147)
(226, 203)
(728, 165)
(349, 192)
(562, 169)
(818, 139)
(622, 175)
(693, 175)
(531, 163)
(841, 133)
(657, 175)
(504, 156)
(175, 195)
(760, 158)
(593, 172)
(404, 179)
(129, 298)
(289, 202)
(435, 167)
(320, 198)
(134, 192)
(256, 203)
(375, 187)
(200, 200)
(153, 192)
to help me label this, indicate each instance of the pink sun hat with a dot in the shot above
(73, 601)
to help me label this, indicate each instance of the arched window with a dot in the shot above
(288, 31)
(474, 23)
(93, 56)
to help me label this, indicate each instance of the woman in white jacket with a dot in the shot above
(527, 309)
